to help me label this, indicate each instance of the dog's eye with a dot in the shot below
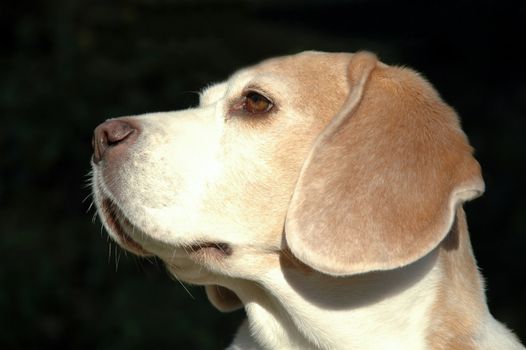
(256, 103)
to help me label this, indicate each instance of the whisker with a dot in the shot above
(90, 206)
(89, 195)
(117, 258)
(187, 291)
(182, 284)
(151, 260)
(221, 248)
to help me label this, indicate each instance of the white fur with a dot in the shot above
(202, 175)
(313, 317)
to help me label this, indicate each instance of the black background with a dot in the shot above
(66, 65)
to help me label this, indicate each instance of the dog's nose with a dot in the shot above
(113, 134)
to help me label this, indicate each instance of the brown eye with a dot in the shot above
(256, 103)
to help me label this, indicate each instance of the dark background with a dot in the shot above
(67, 65)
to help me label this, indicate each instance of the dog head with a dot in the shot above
(349, 164)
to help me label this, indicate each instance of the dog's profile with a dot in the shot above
(322, 192)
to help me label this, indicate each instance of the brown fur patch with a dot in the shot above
(460, 304)
(377, 190)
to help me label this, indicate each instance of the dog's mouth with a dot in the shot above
(120, 226)
(213, 249)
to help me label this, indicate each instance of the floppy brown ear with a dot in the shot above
(380, 185)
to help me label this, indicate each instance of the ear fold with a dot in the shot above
(380, 185)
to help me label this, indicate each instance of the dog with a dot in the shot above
(321, 192)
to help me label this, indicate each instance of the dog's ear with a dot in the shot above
(381, 183)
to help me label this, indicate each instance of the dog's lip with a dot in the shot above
(118, 224)
(218, 248)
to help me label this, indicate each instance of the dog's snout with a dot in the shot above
(113, 134)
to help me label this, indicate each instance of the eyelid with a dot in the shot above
(258, 90)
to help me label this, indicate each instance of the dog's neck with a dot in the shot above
(382, 309)
(406, 308)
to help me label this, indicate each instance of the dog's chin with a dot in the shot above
(123, 231)
(120, 227)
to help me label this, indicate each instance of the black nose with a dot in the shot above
(116, 134)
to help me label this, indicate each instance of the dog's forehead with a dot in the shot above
(303, 63)
(303, 68)
(310, 74)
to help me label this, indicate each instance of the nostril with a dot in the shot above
(117, 133)
(110, 134)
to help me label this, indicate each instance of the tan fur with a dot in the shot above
(460, 304)
(380, 188)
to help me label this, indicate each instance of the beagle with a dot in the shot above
(321, 192)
